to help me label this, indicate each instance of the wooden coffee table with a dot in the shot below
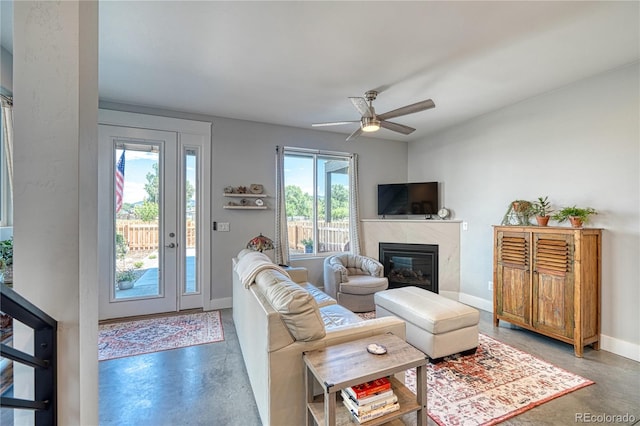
(347, 364)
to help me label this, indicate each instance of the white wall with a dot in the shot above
(55, 191)
(578, 145)
(243, 153)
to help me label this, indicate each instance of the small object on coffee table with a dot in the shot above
(376, 349)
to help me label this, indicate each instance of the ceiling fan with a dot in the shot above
(371, 122)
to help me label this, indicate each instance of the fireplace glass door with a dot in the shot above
(410, 265)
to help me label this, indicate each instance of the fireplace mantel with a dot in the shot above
(444, 233)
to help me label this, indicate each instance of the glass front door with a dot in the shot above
(154, 265)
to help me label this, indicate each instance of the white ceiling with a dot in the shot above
(295, 63)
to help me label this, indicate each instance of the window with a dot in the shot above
(317, 201)
(5, 189)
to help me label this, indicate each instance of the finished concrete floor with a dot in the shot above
(208, 384)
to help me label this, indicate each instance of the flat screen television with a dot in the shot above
(408, 198)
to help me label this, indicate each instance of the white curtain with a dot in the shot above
(7, 130)
(282, 235)
(354, 212)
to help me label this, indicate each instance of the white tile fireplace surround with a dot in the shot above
(444, 233)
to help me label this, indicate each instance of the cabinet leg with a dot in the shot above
(496, 321)
(578, 350)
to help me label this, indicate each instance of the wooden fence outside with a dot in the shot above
(332, 236)
(141, 235)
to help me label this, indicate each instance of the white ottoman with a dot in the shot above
(436, 325)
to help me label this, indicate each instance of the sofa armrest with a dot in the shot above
(348, 332)
(298, 274)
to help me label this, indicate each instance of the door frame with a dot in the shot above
(189, 133)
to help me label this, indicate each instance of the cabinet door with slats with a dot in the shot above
(552, 284)
(512, 287)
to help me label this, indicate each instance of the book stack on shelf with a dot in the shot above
(370, 400)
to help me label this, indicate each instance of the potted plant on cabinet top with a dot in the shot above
(576, 215)
(542, 209)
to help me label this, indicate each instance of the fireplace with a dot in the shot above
(410, 265)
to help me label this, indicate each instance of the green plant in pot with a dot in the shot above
(308, 245)
(125, 279)
(542, 209)
(6, 260)
(578, 216)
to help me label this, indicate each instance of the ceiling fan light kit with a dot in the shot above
(371, 122)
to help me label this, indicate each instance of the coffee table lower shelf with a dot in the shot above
(406, 400)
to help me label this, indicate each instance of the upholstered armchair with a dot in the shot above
(353, 280)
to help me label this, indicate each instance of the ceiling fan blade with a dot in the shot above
(355, 134)
(362, 106)
(409, 109)
(400, 128)
(334, 123)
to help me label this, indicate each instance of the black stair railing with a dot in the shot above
(43, 360)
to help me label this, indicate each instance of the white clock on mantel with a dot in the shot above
(443, 213)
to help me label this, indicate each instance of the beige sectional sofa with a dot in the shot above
(278, 315)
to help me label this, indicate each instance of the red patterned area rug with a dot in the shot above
(496, 383)
(121, 339)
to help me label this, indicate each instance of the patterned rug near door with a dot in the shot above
(495, 384)
(121, 339)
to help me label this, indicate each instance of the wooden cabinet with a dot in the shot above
(547, 279)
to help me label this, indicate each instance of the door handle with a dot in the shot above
(171, 245)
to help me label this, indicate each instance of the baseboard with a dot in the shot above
(607, 343)
(223, 303)
(620, 347)
(476, 302)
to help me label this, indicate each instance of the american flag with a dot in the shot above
(119, 182)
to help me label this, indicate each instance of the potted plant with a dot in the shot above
(523, 210)
(576, 215)
(125, 279)
(6, 261)
(542, 209)
(308, 245)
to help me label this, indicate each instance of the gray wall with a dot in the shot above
(243, 153)
(578, 145)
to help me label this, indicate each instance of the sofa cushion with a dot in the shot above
(337, 315)
(364, 284)
(298, 309)
(322, 298)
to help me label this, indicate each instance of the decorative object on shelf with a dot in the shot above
(241, 190)
(518, 213)
(228, 190)
(578, 216)
(244, 202)
(259, 202)
(260, 243)
(443, 213)
(256, 188)
(542, 209)
(231, 203)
